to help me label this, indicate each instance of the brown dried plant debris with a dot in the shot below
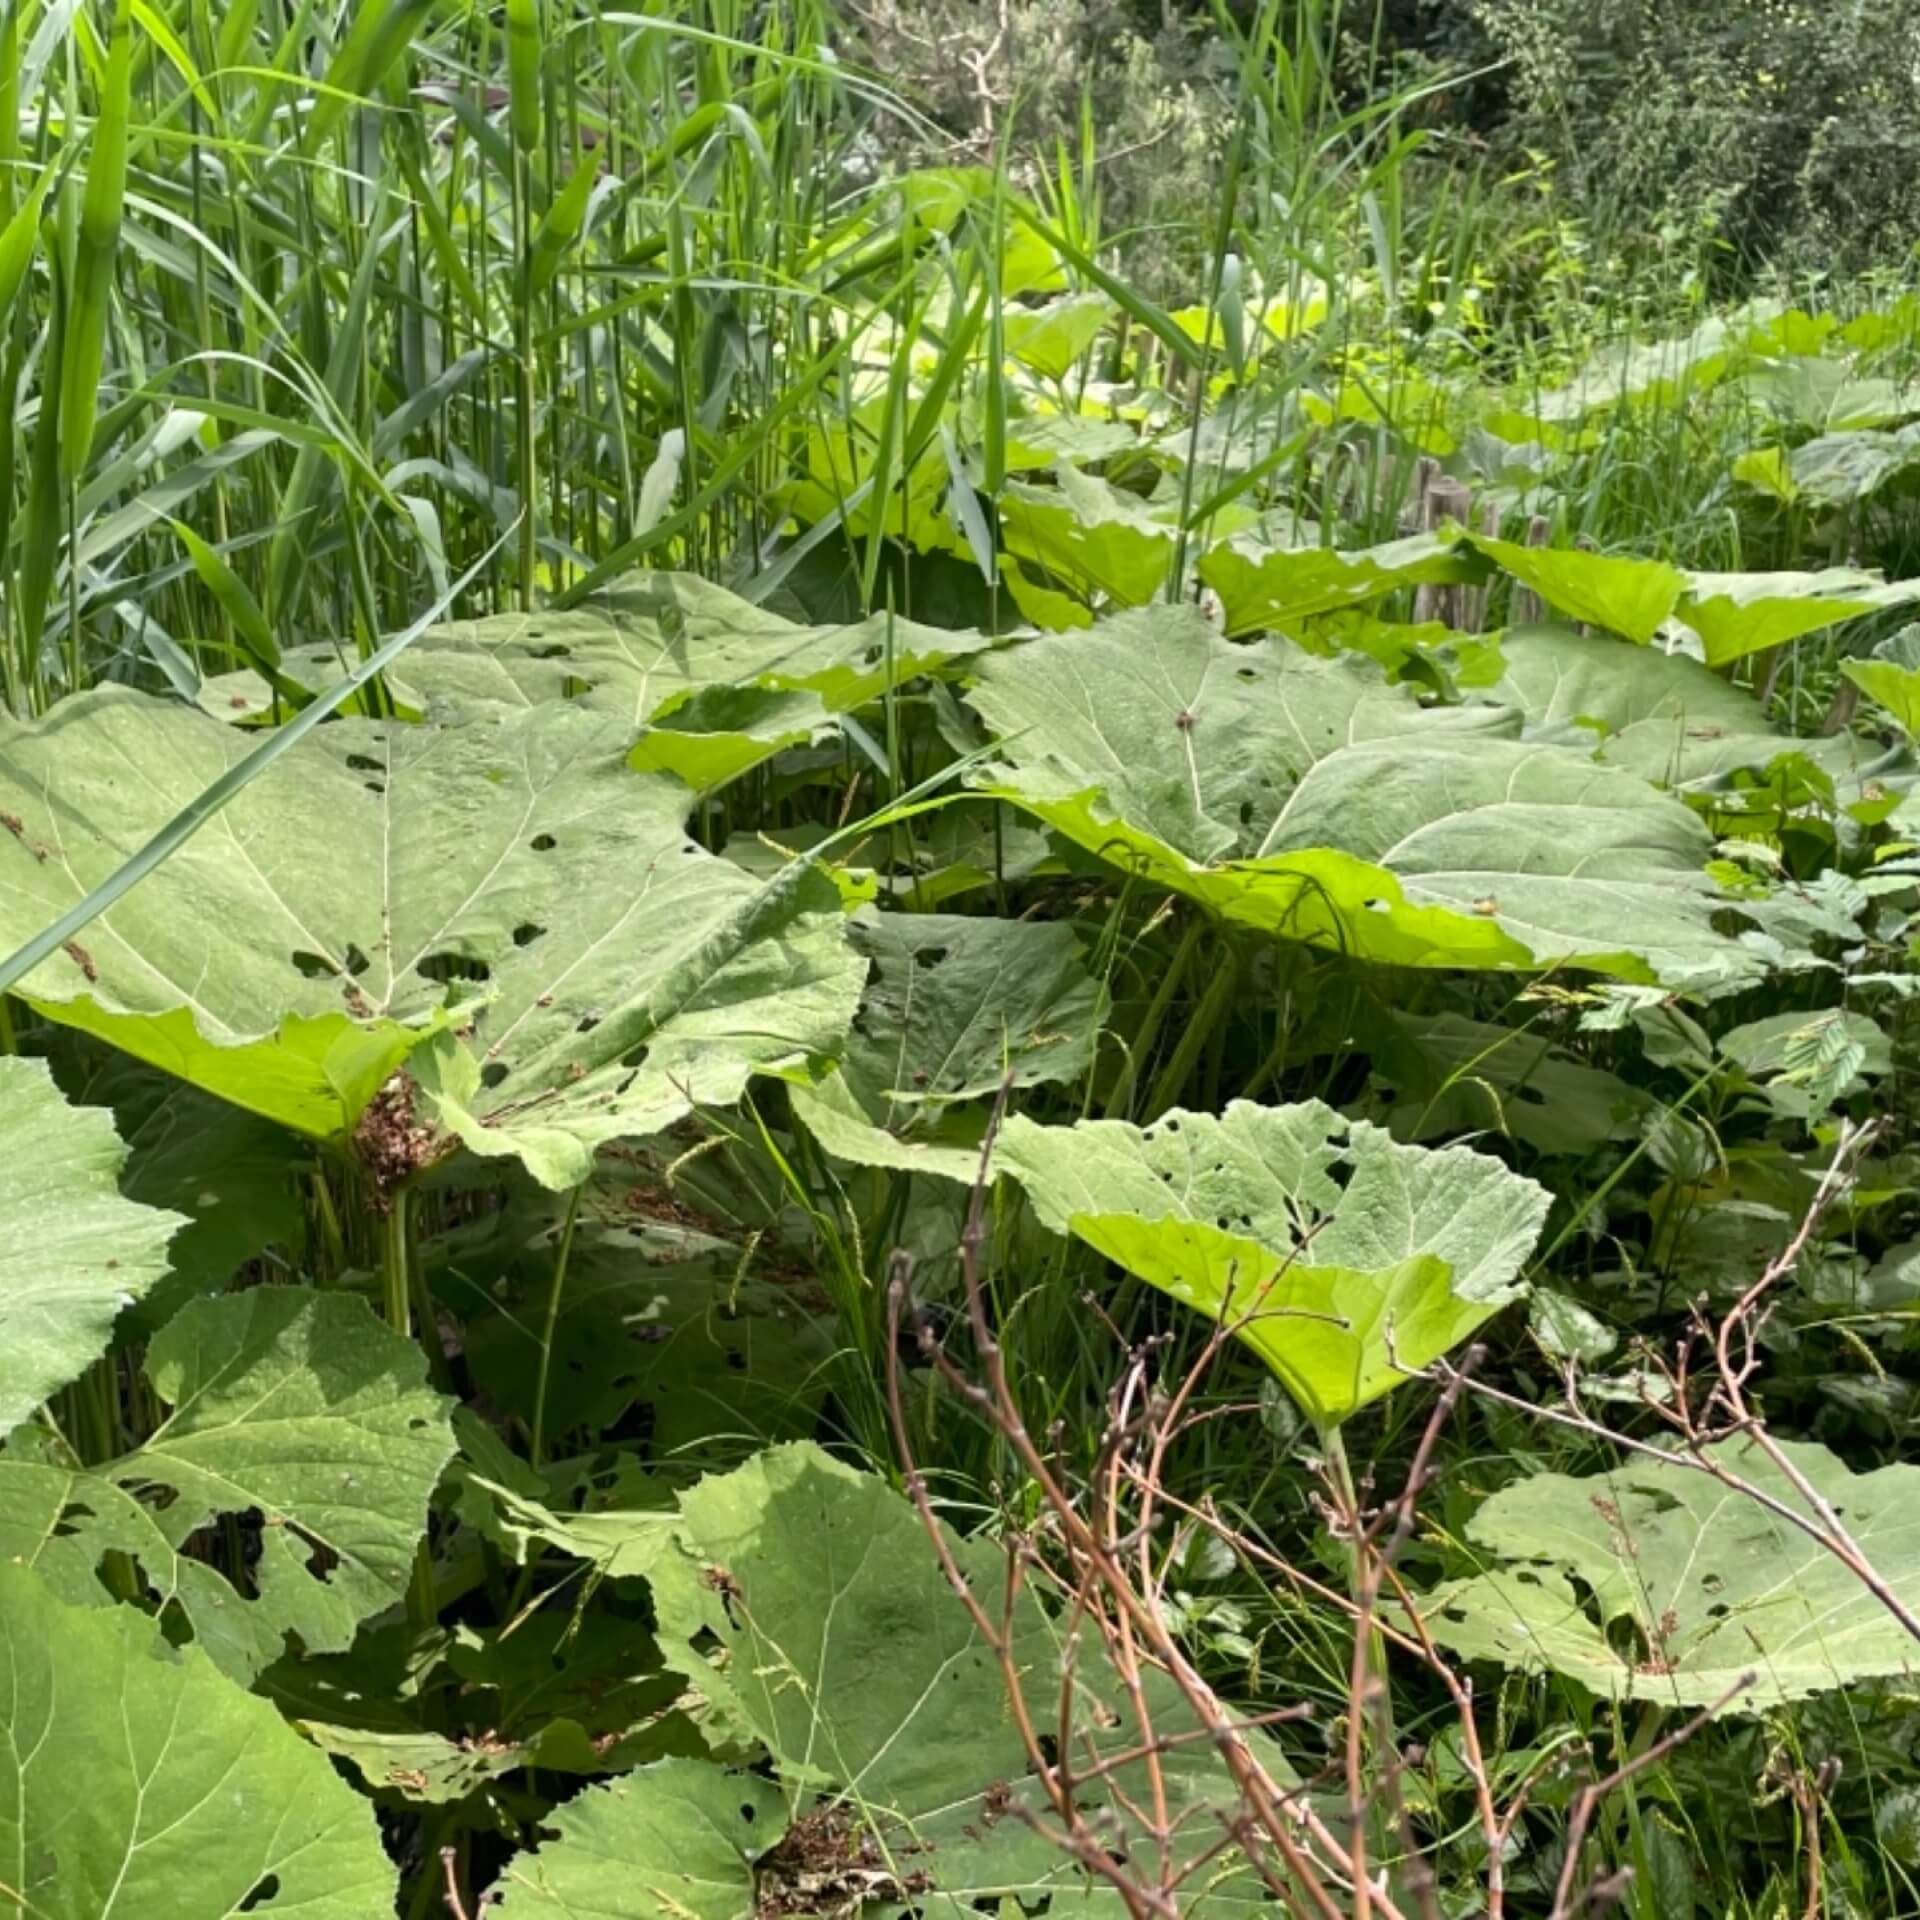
(828, 1863)
(391, 1143)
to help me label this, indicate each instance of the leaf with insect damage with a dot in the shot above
(297, 1415)
(954, 1005)
(803, 1601)
(504, 887)
(1343, 1258)
(1656, 1582)
(137, 1779)
(73, 1252)
(1305, 797)
(674, 1841)
(707, 684)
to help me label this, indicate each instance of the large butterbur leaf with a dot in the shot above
(1343, 1258)
(136, 1779)
(1263, 585)
(295, 1410)
(1663, 716)
(1305, 797)
(507, 876)
(1733, 614)
(1657, 1582)
(1740, 613)
(645, 651)
(954, 1006)
(802, 1601)
(676, 1841)
(73, 1252)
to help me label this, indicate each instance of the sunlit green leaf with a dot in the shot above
(1685, 1585)
(196, 1797)
(1351, 1259)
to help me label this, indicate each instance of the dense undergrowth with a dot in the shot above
(841, 1073)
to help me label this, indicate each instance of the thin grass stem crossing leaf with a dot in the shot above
(297, 1407)
(507, 875)
(1655, 1582)
(1350, 1259)
(73, 1252)
(138, 1780)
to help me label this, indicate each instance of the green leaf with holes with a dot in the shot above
(714, 1346)
(1343, 1258)
(802, 1601)
(674, 1841)
(73, 1253)
(506, 875)
(1657, 1582)
(643, 650)
(954, 1006)
(138, 1779)
(1304, 797)
(297, 1412)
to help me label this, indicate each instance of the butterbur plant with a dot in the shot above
(842, 1078)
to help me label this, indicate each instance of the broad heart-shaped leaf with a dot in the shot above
(1304, 797)
(1624, 595)
(136, 1780)
(1261, 585)
(1090, 535)
(297, 1405)
(1357, 1258)
(1665, 717)
(803, 1600)
(1684, 1584)
(955, 1003)
(507, 871)
(845, 1652)
(642, 650)
(674, 1841)
(1892, 678)
(1740, 613)
(1733, 613)
(73, 1252)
